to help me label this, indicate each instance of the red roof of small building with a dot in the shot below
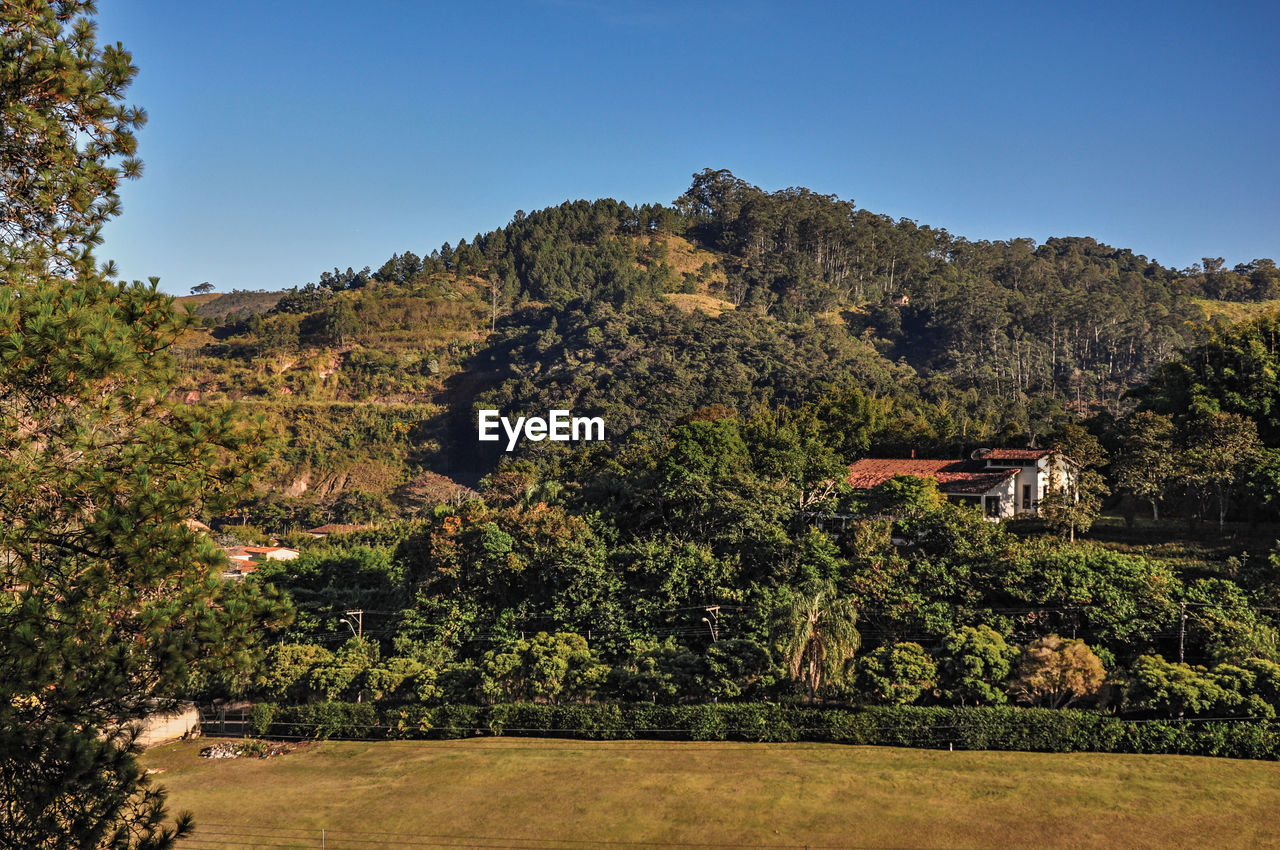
(1015, 454)
(977, 483)
(239, 568)
(964, 477)
(870, 472)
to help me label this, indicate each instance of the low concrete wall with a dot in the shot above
(162, 727)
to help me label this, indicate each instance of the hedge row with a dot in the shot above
(964, 728)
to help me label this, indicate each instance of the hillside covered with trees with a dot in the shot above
(730, 296)
(744, 347)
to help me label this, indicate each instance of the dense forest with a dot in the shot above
(730, 296)
(743, 348)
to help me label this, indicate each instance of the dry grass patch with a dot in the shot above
(530, 792)
(689, 302)
(684, 258)
(1235, 311)
(194, 301)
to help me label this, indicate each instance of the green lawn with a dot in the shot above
(529, 793)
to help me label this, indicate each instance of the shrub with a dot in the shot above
(1054, 672)
(975, 663)
(261, 717)
(897, 674)
(963, 728)
(328, 720)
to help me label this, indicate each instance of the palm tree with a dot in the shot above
(816, 632)
(547, 492)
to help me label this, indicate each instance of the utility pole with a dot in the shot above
(714, 622)
(1182, 633)
(358, 631)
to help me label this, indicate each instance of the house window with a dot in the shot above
(993, 506)
(1026, 497)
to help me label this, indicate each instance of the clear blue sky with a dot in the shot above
(286, 138)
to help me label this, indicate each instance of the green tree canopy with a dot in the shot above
(975, 664)
(816, 634)
(1148, 462)
(545, 667)
(111, 602)
(1221, 449)
(68, 138)
(1076, 487)
(897, 674)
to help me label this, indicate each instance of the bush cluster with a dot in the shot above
(962, 728)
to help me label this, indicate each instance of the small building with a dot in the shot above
(239, 555)
(1002, 483)
(1039, 472)
(242, 560)
(271, 553)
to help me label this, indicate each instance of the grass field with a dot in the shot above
(529, 793)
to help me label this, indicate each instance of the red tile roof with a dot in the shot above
(1015, 454)
(953, 476)
(870, 472)
(977, 483)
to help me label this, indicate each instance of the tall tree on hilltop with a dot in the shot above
(110, 602)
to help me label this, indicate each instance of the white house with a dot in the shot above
(242, 560)
(1036, 471)
(1002, 483)
(271, 553)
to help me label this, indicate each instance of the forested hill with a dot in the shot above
(1070, 317)
(731, 295)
